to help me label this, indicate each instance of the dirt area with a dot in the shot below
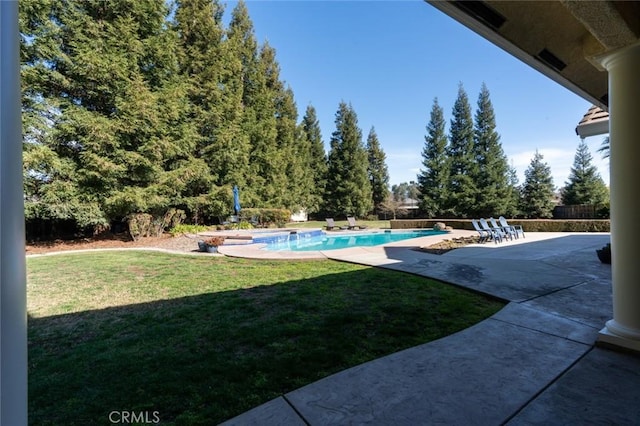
(448, 245)
(181, 243)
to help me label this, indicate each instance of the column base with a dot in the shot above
(616, 341)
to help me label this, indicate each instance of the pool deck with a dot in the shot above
(534, 362)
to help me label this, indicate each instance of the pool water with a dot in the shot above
(334, 242)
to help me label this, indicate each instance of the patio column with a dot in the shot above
(13, 289)
(624, 132)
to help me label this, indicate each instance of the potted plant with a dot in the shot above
(604, 254)
(210, 244)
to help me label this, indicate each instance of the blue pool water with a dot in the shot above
(323, 241)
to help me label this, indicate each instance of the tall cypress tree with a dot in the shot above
(462, 189)
(585, 186)
(206, 66)
(265, 179)
(348, 191)
(434, 175)
(377, 170)
(494, 196)
(537, 189)
(241, 44)
(317, 160)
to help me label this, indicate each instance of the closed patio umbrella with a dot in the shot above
(236, 199)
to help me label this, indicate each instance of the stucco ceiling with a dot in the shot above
(562, 38)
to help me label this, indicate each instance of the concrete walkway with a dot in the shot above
(534, 362)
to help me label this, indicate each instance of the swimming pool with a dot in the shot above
(334, 242)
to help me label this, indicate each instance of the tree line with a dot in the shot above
(143, 106)
(465, 173)
(147, 106)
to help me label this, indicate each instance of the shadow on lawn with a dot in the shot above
(206, 358)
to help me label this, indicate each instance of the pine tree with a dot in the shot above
(492, 169)
(434, 176)
(462, 189)
(585, 186)
(537, 189)
(377, 170)
(317, 160)
(348, 191)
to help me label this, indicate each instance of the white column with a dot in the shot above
(13, 316)
(624, 132)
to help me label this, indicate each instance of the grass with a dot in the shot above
(200, 340)
(381, 224)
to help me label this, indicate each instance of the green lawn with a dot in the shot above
(202, 339)
(381, 224)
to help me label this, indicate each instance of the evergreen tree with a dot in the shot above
(267, 178)
(348, 191)
(293, 152)
(208, 66)
(242, 45)
(462, 189)
(317, 158)
(537, 189)
(585, 186)
(434, 176)
(103, 87)
(494, 194)
(377, 170)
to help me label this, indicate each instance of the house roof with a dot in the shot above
(594, 122)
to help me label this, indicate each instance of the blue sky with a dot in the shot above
(390, 59)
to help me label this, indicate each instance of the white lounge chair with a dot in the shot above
(484, 235)
(517, 229)
(509, 232)
(496, 234)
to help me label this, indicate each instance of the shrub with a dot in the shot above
(266, 217)
(145, 225)
(214, 241)
(187, 229)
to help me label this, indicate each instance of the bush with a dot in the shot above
(528, 225)
(266, 217)
(187, 229)
(146, 225)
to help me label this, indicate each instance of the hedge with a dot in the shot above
(528, 225)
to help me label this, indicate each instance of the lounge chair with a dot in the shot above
(510, 232)
(496, 234)
(517, 229)
(484, 235)
(331, 225)
(353, 225)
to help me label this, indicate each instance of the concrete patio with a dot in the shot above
(534, 362)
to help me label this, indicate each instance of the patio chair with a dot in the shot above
(353, 225)
(509, 232)
(517, 229)
(496, 234)
(484, 235)
(331, 225)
